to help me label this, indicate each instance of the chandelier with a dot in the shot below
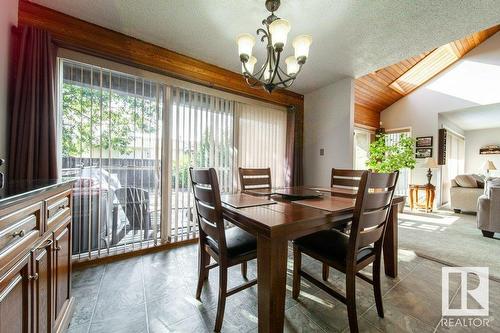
(271, 75)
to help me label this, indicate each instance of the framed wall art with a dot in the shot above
(424, 141)
(423, 152)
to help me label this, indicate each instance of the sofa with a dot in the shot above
(465, 191)
(488, 208)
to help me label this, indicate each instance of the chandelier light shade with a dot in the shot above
(246, 43)
(292, 65)
(301, 45)
(271, 75)
(279, 30)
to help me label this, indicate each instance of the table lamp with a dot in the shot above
(488, 165)
(430, 163)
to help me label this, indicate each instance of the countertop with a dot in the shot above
(18, 190)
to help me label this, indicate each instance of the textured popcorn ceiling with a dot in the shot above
(350, 38)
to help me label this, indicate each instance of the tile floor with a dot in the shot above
(155, 293)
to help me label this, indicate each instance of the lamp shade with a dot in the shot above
(488, 165)
(246, 43)
(430, 163)
(301, 45)
(250, 65)
(279, 30)
(292, 66)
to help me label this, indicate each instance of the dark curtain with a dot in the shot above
(293, 176)
(32, 153)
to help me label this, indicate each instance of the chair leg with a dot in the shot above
(221, 304)
(297, 263)
(326, 272)
(244, 270)
(377, 288)
(203, 261)
(351, 301)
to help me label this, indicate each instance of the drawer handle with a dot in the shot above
(33, 277)
(47, 243)
(58, 248)
(20, 233)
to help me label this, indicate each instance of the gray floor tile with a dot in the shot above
(396, 321)
(130, 320)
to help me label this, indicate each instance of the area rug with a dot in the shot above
(449, 237)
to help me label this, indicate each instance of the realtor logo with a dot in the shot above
(479, 294)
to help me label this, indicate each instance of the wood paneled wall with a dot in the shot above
(365, 117)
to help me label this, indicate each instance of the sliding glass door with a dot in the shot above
(111, 130)
(130, 142)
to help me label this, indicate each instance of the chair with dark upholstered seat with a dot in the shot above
(228, 247)
(351, 253)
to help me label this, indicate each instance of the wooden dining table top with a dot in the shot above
(288, 219)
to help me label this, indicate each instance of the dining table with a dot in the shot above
(286, 218)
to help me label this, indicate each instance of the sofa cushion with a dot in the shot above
(479, 179)
(466, 181)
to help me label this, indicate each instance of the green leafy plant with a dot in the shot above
(387, 157)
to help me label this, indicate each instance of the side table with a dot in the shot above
(430, 193)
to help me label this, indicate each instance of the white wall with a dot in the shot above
(475, 140)
(8, 18)
(450, 90)
(328, 125)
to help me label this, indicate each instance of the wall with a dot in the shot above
(450, 90)
(475, 140)
(328, 125)
(8, 18)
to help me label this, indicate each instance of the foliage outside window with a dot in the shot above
(385, 157)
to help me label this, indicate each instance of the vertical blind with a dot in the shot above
(130, 142)
(261, 140)
(455, 162)
(201, 136)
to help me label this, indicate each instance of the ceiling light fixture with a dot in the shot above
(270, 75)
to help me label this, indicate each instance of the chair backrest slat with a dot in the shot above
(373, 205)
(346, 177)
(208, 205)
(377, 200)
(255, 178)
(204, 194)
(370, 236)
(373, 218)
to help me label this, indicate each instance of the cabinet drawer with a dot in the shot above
(15, 226)
(58, 207)
(18, 231)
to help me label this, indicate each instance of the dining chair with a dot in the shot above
(228, 247)
(351, 253)
(345, 178)
(255, 179)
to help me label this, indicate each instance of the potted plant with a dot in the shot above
(387, 157)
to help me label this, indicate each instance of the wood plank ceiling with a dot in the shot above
(376, 91)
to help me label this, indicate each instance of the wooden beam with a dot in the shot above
(79, 35)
